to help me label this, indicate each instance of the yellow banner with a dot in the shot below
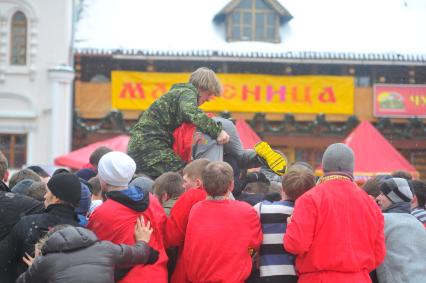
(243, 92)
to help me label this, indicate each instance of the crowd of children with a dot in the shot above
(188, 227)
(163, 213)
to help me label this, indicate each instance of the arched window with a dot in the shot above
(18, 39)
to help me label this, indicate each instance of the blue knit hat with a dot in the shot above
(85, 173)
(85, 200)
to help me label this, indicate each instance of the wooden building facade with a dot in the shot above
(272, 52)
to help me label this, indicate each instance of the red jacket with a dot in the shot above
(176, 228)
(336, 233)
(219, 236)
(183, 137)
(115, 222)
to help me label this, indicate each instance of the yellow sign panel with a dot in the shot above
(243, 92)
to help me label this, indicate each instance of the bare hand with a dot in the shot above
(29, 259)
(142, 232)
(289, 220)
(223, 137)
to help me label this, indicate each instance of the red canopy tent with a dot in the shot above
(374, 154)
(248, 137)
(80, 158)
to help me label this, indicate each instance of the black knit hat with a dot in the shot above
(66, 187)
(40, 171)
(255, 177)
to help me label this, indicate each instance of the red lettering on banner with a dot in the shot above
(418, 100)
(327, 95)
(132, 89)
(306, 96)
(159, 90)
(229, 91)
(247, 92)
(270, 93)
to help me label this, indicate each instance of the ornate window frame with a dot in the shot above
(5, 39)
(19, 21)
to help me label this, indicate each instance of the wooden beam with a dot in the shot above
(300, 141)
(322, 142)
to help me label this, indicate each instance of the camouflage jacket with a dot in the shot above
(155, 127)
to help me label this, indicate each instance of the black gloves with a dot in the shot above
(153, 256)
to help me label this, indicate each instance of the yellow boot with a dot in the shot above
(275, 160)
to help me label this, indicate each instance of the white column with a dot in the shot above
(60, 79)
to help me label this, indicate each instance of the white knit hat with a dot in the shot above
(116, 168)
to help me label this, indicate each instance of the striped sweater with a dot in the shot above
(420, 214)
(276, 265)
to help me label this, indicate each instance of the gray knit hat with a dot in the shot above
(338, 157)
(145, 183)
(22, 187)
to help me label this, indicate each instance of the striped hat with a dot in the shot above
(396, 190)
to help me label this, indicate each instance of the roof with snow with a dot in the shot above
(352, 31)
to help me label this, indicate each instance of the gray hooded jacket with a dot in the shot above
(74, 254)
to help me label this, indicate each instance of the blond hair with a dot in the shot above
(206, 80)
(194, 169)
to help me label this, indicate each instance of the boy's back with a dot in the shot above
(276, 264)
(113, 221)
(218, 238)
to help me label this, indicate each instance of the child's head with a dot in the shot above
(168, 185)
(297, 181)
(95, 186)
(218, 179)
(256, 183)
(37, 190)
(21, 175)
(274, 192)
(142, 181)
(402, 174)
(192, 173)
(372, 186)
(97, 154)
(40, 243)
(419, 191)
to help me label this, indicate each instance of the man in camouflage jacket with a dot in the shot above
(151, 139)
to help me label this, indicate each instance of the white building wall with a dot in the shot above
(27, 93)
